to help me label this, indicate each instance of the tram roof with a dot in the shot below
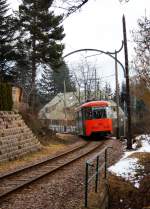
(95, 104)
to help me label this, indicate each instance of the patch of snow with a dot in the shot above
(134, 146)
(145, 142)
(145, 146)
(70, 98)
(136, 184)
(127, 167)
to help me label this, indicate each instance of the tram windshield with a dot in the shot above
(99, 112)
(94, 113)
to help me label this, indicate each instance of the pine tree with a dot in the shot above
(46, 87)
(23, 67)
(62, 74)
(7, 54)
(42, 33)
(52, 82)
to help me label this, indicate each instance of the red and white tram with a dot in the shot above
(94, 117)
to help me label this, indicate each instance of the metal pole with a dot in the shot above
(65, 126)
(129, 138)
(95, 84)
(86, 185)
(105, 163)
(85, 91)
(96, 178)
(124, 119)
(117, 96)
(97, 95)
(79, 96)
(100, 95)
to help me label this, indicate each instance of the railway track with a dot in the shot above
(22, 177)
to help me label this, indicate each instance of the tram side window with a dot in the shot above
(80, 115)
(99, 113)
(109, 112)
(88, 113)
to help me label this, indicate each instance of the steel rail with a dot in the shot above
(46, 172)
(43, 161)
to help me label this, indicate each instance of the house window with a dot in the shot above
(47, 110)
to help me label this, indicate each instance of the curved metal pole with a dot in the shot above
(96, 50)
(102, 52)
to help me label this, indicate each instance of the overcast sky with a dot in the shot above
(99, 25)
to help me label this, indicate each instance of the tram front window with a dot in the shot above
(99, 112)
(94, 113)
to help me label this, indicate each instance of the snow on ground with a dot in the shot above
(128, 166)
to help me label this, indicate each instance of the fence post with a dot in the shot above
(96, 174)
(96, 179)
(105, 163)
(86, 185)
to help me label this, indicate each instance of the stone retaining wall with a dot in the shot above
(16, 139)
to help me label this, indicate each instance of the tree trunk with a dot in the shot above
(32, 100)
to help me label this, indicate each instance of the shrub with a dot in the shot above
(6, 102)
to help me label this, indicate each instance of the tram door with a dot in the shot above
(80, 123)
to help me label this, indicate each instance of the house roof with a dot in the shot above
(55, 108)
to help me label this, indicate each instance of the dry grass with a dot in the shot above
(51, 146)
(32, 157)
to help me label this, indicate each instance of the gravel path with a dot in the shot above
(62, 190)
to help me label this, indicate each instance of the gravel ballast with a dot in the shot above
(62, 190)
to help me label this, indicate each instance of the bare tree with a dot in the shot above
(140, 105)
(141, 62)
(71, 6)
(86, 79)
(140, 90)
